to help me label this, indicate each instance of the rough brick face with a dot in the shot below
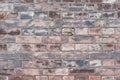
(59, 39)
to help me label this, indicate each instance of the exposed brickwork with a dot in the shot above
(59, 39)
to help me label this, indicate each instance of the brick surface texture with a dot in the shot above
(59, 39)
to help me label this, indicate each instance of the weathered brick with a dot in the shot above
(94, 47)
(77, 63)
(95, 15)
(40, 47)
(114, 23)
(104, 6)
(3, 77)
(55, 78)
(28, 77)
(95, 63)
(108, 15)
(108, 47)
(81, 71)
(14, 63)
(6, 7)
(68, 31)
(89, 7)
(53, 14)
(2, 31)
(81, 39)
(3, 16)
(20, 8)
(68, 15)
(68, 78)
(81, 47)
(54, 47)
(118, 14)
(55, 31)
(108, 62)
(41, 77)
(28, 31)
(104, 71)
(41, 14)
(41, 31)
(110, 1)
(26, 15)
(108, 78)
(28, 72)
(29, 39)
(81, 31)
(67, 47)
(58, 71)
(94, 31)
(14, 32)
(15, 78)
(3, 47)
(13, 47)
(10, 23)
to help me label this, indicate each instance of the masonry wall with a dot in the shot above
(59, 39)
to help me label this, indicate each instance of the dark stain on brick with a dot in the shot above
(82, 71)
(104, 6)
(45, 63)
(53, 14)
(109, 45)
(40, 47)
(3, 47)
(50, 71)
(2, 16)
(54, 47)
(118, 61)
(16, 32)
(6, 72)
(118, 14)
(2, 32)
(57, 62)
(26, 47)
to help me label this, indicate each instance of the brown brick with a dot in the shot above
(2, 15)
(54, 14)
(15, 78)
(94, 77)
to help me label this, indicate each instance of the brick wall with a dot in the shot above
(59, 39)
